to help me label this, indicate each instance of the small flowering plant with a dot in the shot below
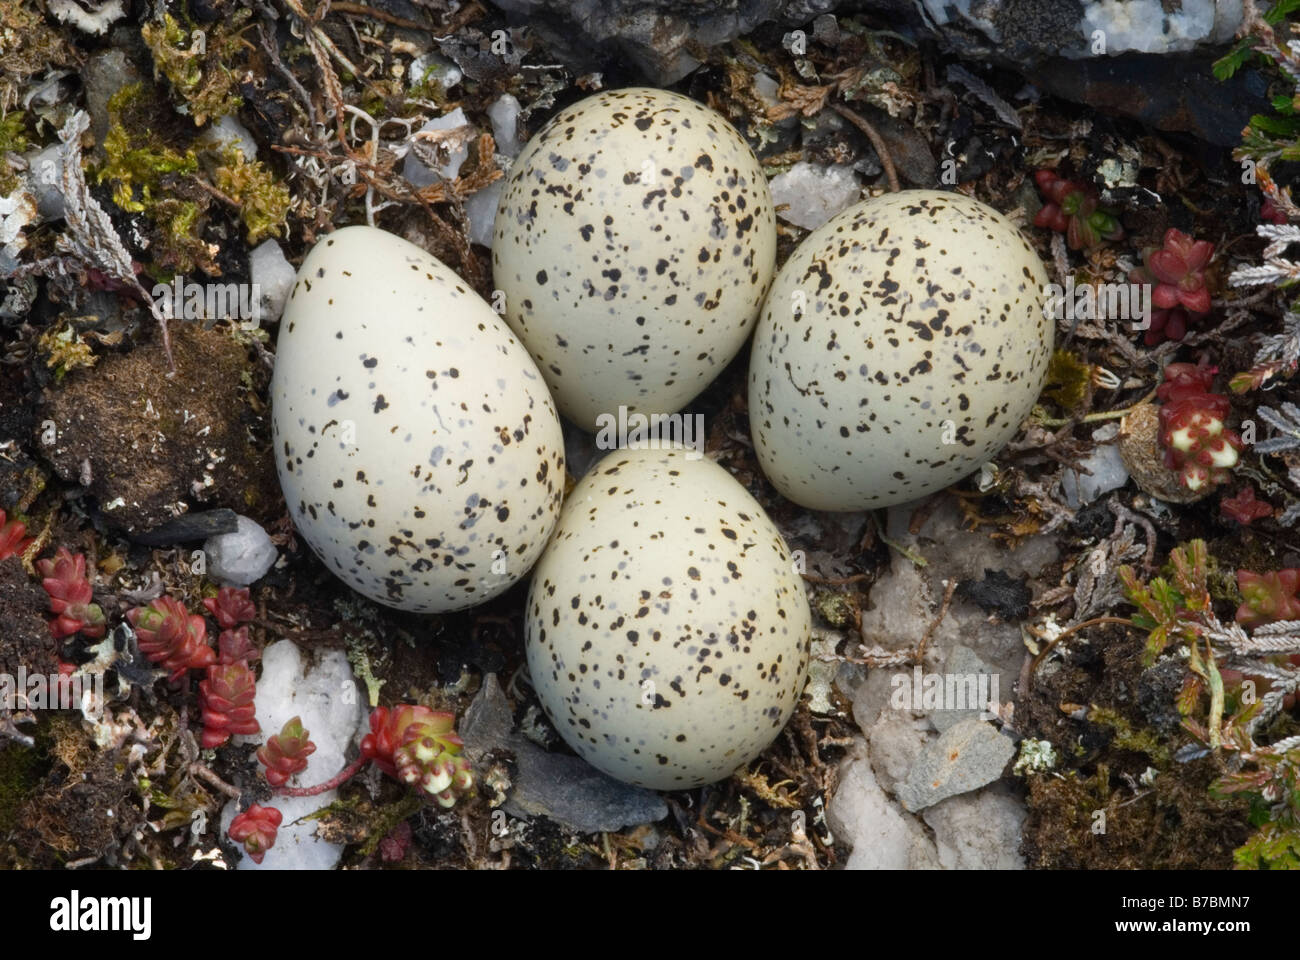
(1192, 431)
(418, 746)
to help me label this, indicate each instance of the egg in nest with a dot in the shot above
(667, 630)
(417, 446)
(901, 347)
(634, 242)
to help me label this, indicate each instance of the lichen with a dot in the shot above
(1036, 756)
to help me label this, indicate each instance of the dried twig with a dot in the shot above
(877, 141)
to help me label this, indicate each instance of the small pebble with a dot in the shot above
(240, 558)
(813, 194)
(273, 275)
(421, 175)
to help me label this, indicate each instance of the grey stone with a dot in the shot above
(322, 691)
(897, 740)
(882, 836)
(1106, 466)
(813, 194)
(564, 788)
(45, 178)
(963, 661)
(104, 75)
(242, 557)
(273, 274)
(228, 131)
(421, 175)
(504, 114)
(978, 831)
(968, 755)
(481, 212)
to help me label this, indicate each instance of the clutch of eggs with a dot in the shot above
(667, 630)
(417, 446)
(900, 348)
(634, 242)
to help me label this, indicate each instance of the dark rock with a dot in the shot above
(908, 148)
(654, 34)
(997, 593)
(1172, 93)
(564, 788)
(189, 527)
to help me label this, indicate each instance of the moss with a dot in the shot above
(198, 63)
(64, 349)
(1067, 382)
(1126, 738)
(28, 46)
(832, 607)
(21, 771)
(136, 163)
(13, 132)
(263, 200)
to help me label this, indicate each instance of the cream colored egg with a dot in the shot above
(418, 449)
(667, 630)
(634, 242)
(901, 347)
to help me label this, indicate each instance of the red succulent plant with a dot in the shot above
(256, 828)
(1268, 597)
(285, 753)
(1244, 508)
(1192, 430)
(226, 700)
(13, 541)
(1072, 209)
(234, 646)
(171, 636)
(418, 746)
(231, 607)
(71, 596)
(1177, 271)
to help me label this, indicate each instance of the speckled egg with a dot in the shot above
(418, 448)
(667, 630)
(901, 346)
(634, 242)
